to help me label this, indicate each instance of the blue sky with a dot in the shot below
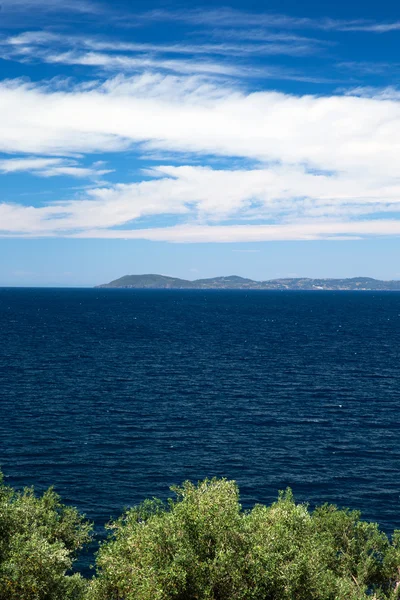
(261, 139)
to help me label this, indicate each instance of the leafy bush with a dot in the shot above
(39, 539)
(202, 546)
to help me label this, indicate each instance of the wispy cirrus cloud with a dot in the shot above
(243, 38)
(226, 17)
(211, 59)
(123, 63)
(15, 14)
(79, 6)
(371, 27)
(369, 68)
(271, 44)
(221, 17)
(127, 64)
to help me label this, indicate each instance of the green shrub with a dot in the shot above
(39, 539)
(203, 546)
(200, 545)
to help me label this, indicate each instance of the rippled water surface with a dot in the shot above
(114, 395)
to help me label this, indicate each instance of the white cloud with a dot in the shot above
(282, 197)
(15, 165)
(317, 166)
(79, 6)
(34, 38)
(50, 167)
(337, 133)
(254, 233)
(325, 164)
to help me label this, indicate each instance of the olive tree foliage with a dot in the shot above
(39, 539)
(203, 546)
(200, 545)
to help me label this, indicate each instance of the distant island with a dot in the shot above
(233, 282)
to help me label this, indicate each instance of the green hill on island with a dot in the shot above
(233, 282)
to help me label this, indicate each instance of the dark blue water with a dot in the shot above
(114, 395)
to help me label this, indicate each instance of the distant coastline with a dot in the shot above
(233, 282)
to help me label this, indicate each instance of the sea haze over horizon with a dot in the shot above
(114, 395)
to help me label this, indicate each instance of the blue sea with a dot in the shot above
(112, 396)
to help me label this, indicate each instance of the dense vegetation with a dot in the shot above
(200, 545)
(39, 539)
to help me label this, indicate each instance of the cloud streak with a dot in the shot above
(226, 59)
(274, 199)
(53, 6)
(51, 167)
(125, 63)
(268, 44)
(228, 17)
(255, 233)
